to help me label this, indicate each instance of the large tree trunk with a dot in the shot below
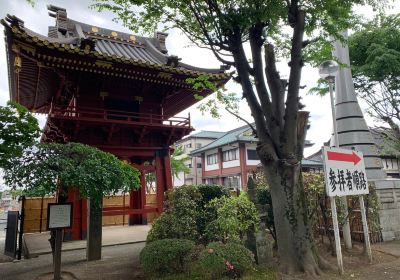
(294, 236)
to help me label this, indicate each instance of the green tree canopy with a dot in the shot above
(251, 35)
(19, 130)
(178, 159)
(375, 62)
(94, 173)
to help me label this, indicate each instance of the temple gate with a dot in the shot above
(115, 91)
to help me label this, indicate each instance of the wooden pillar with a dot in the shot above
(143, 195)
(167, 171)
(84, 220)
(74, 233)
(135, 203)
(161, 180)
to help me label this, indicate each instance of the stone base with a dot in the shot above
(388, 192)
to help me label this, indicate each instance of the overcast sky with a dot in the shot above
(37, 19)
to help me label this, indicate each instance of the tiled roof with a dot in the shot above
(240, 134)
(243, 133)
(207, 134)
(81, 38)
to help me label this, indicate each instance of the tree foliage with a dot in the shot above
(19, 130)
(178, 159)
(251, 36)
(375, 62)
(48, 167)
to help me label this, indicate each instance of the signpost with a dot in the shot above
(59, 217)
(345, 175)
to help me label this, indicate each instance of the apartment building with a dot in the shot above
(189, 144)
(231, 158)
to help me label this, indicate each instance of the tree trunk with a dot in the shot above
(93, 247)
(294, 236)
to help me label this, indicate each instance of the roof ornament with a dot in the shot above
(173, 60)
(15, 21)
(60, 14)
(161, 37)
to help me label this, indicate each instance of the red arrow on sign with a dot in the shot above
(353, 157)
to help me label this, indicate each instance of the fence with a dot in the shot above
(36, 211)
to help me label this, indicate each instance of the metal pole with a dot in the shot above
(365, 227)
(346, 225)
(57, 255)
(337, 236)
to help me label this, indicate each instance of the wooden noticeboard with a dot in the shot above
(59, 215)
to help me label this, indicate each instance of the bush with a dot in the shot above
(231, 259)
(234, 215)
(167, 256)
(186, 214)
(209, 192)
(179, 220)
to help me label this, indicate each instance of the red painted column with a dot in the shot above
(167, 171)
(135, 203)
(143, 194)
(75, 232)
(160, 181)
(84, 220)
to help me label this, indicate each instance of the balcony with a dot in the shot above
(93, 115)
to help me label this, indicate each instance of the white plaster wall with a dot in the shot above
(179, 180)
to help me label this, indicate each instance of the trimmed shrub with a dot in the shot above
(220, 260)
(179, 219)
(209, 192)
(234, 215)
(186, 214)
(167, 256)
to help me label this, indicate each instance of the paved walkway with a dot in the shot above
(38, 243)
(120, 256)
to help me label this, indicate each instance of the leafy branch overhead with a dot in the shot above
(19, 130)
(375, 61)
(94, 173)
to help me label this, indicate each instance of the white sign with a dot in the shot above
(59, 215)
(344, 172)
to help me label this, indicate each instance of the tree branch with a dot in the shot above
(244, 120)
(296, 63)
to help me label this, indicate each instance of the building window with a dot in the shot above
(230, 155)
(188, 145)
(212, 159)
(189, 165)
(252, 155)
(198, 145)
(213, 181)
(199, 165)
(232, 182)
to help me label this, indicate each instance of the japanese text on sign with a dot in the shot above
(344, 172)
(59, 215)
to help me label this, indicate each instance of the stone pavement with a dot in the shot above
(120, 256)
(37, 243)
